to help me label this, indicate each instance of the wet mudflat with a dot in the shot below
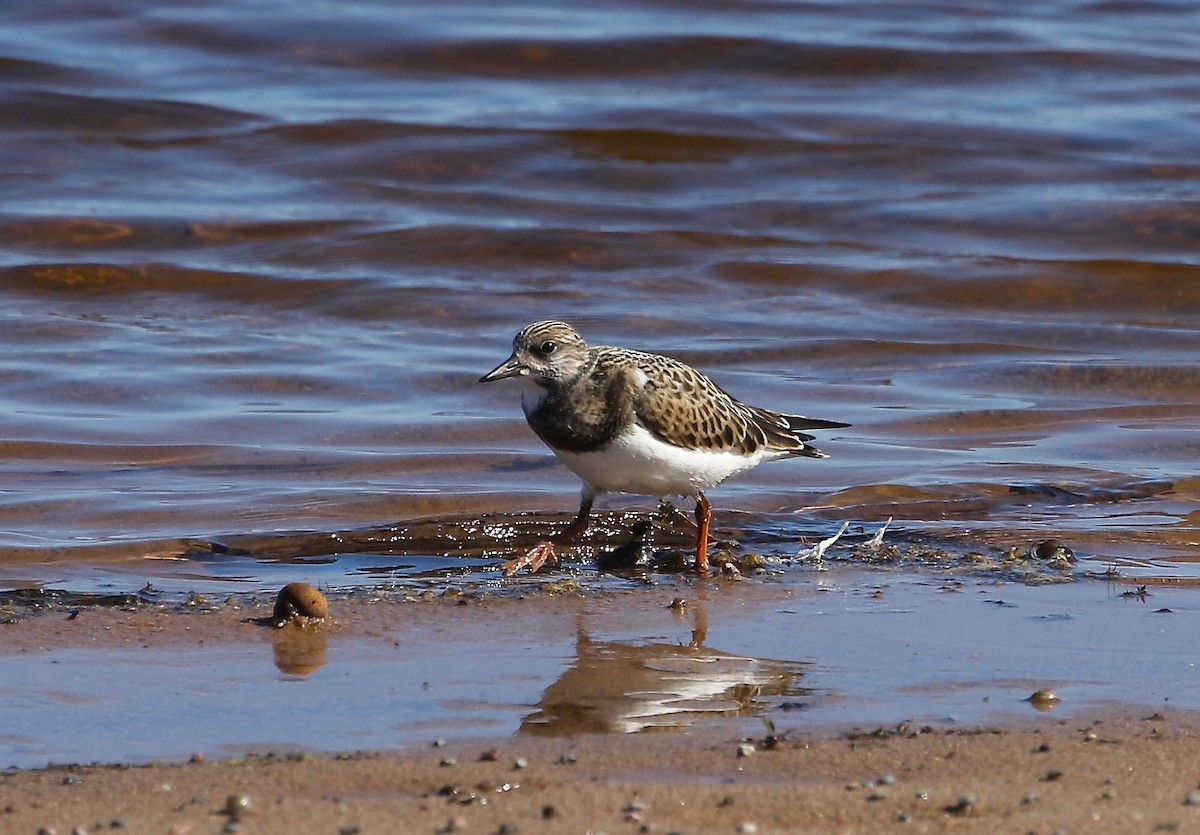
(852, 648)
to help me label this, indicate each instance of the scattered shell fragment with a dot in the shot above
(299, 600)
(817, 552)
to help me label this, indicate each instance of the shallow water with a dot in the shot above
(254, 257)
(855, 650)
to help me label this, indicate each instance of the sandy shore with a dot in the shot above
(1130, 770)
(1118, 774)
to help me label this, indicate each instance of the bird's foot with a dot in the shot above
(533, 559)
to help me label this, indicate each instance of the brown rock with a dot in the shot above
(299, 600)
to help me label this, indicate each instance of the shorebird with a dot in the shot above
(630, 422)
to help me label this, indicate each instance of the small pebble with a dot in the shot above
(352, 829)
(1030, 799)
(1043, 699)
(455, 824)
(1053, 775)
(965, 805)
(922, 794)
(904, 817)
(237, 806)
(446, 762)
(1193, 799)
(1054, 551)
(567, 758)
(745, 750)
(520, 762)
(886, 779)
(747, 827)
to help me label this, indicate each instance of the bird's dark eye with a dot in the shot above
(548, 347)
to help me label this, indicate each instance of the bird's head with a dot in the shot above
(545, 353)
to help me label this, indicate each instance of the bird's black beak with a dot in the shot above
(511, 367)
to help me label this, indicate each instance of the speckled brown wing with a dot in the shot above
(687, 409)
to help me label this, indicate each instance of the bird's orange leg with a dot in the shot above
(543, 552)
(703, 516)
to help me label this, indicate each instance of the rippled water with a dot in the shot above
(255, 255)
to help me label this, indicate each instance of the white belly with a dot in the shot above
(638, 462)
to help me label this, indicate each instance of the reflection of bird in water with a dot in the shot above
(630, 422)
(617, 687)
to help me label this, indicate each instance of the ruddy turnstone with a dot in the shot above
(629, 422)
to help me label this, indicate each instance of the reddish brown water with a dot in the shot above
(254, 257)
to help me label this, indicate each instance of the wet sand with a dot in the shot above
(1108, 769)
(1114, 774)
